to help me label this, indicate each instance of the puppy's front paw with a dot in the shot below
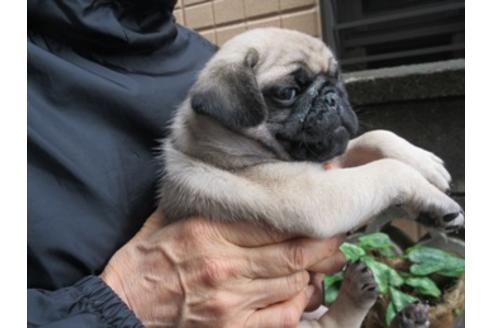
(429, 205)
(449, 222)
(426, 163)
(390, 145)
(432, 168)
(415, 315)
(359, 285)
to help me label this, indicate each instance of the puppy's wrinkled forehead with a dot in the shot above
(281, 52)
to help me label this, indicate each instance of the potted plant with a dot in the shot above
(419, 273)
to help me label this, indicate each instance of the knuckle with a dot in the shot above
(214, 272)
(296, 257)
(298, 281)
(289, 317)
(219, 307)
(194, 228)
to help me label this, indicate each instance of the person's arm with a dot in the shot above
(194, 272)
(88, 303)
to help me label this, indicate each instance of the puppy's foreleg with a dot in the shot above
(304, 199)
(357, 295)
(379, 144)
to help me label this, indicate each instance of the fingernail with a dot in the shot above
(340, 257)
(337, 262)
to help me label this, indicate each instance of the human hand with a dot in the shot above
(204, 273)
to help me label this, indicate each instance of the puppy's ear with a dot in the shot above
(230, 94)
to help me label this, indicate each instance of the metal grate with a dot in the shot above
(380, 33)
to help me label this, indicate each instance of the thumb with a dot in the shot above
(331, 264)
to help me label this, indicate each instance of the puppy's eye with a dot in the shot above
(286, 96)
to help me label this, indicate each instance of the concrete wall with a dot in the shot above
(423, 103)
(220, 20)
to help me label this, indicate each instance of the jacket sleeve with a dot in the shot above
(88, 303)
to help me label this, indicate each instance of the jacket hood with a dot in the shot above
(104, 25)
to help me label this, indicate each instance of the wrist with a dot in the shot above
(146, 281)
(100, 298)
(111, 277)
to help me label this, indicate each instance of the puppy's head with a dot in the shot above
(283, 82)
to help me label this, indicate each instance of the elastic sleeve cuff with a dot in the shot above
(103, 300)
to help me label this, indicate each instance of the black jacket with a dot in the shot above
(104, 78)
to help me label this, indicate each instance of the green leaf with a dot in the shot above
(331, 294)
(384, 275)
(379, 272)
(454, 267)
(420, 254)
(429, 260)
(394, 278)
(400, 299)
(379, 242)
(425, 268)
(375, 240)
(332, 286)
(352, 252)
(387, 252)
(424, 286)
(390, 313)
(332, 279)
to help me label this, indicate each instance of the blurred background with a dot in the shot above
(403, 62)
(364, 34)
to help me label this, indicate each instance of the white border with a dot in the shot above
(13, 178)
(478, 163)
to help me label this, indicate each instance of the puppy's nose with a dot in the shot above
(331, 99)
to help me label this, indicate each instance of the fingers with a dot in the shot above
(265, 292)
(292, 256)
(257, 234)
(285, 314)
(331, 264)
(317, 297)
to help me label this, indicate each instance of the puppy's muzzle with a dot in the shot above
(321, 125)
(331, 99)
(329, 111)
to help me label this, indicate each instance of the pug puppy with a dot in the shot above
(249, 141)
